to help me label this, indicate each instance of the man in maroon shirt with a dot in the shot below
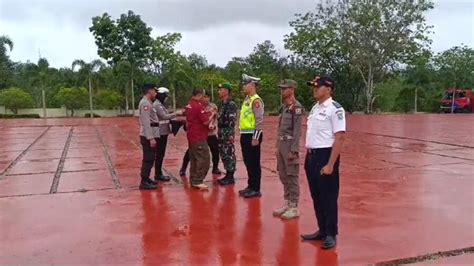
(197, 130)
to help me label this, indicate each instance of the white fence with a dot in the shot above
(61, 112)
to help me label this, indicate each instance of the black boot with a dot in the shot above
(315, 236)
(162, 178)
(147, 185)
(182, 172)
(216, 171)
(227, 180)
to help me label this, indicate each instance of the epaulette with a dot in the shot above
(336, 104)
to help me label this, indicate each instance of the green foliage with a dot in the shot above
(72, 98)
(6, 65)
(108, 99)
(456, 67)
(368, 36)
(14, 99)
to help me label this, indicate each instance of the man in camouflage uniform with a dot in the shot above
(288, 163)
(226, 131)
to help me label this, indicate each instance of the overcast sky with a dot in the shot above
(218, 29)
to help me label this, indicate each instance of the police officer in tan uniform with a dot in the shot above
(289, 132)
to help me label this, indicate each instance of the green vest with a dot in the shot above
(247, 117)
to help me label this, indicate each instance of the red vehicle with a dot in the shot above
(463, 101)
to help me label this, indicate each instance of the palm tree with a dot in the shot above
(89, 69)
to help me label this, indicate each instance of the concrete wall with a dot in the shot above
(61, 112)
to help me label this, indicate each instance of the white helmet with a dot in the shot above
(163, 90)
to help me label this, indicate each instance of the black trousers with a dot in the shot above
(251, 156)
(148, 158)
(161, 144)
(213, 146)
(324, 189)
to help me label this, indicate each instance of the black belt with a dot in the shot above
(155, 124)
(318, 150)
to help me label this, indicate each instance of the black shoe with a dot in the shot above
(149, 180)
(243, 191)
(182, 172)
(162, 178)
(252, 194)
(147, 185)
(329, 242)
(226, 181)
(216, 172)
(315, 236)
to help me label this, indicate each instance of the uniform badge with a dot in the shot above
(298, 111)
(145, 108)
(340, 115)
(257, 104)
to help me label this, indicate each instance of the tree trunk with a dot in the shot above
(72, 112)
(126, 98)
(369, 90)
(212, 91)
(416, 100)
(173, 91)
(90, 97)
(133, 91)
(133, 97)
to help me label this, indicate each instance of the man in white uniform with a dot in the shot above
(324, 141)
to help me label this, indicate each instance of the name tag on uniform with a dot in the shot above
(321, 116)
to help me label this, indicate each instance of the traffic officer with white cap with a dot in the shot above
(164, 118)
(251, 126)
(325, 137)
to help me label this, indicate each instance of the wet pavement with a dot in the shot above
(68, 194)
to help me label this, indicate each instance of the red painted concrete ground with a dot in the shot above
(68, 194)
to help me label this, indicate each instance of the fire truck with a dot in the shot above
(457, 100)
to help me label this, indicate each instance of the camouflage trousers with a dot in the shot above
(227, 153)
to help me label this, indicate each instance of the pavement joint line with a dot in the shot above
(427, 257)
(422, 140)
(18, 158)
(176, 180)
(59, 192)
(110, 165)
(448, 156)
(57, 175)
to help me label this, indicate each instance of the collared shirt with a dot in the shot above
(148, 116)
(324, 121)
(195, 118)
(164, 116)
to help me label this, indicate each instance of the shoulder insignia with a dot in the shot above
(298, 111)
(336, 104)
(145, 108)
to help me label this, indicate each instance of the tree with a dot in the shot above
(125, 39)
(455, 67)
(369, 35)
(6, 66)
(171, 65)
(14, 99)
(109, 99)
(88, 70)
(72, 98)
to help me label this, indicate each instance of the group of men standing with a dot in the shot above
(324, 139)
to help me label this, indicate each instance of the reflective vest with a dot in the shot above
(247, 117)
